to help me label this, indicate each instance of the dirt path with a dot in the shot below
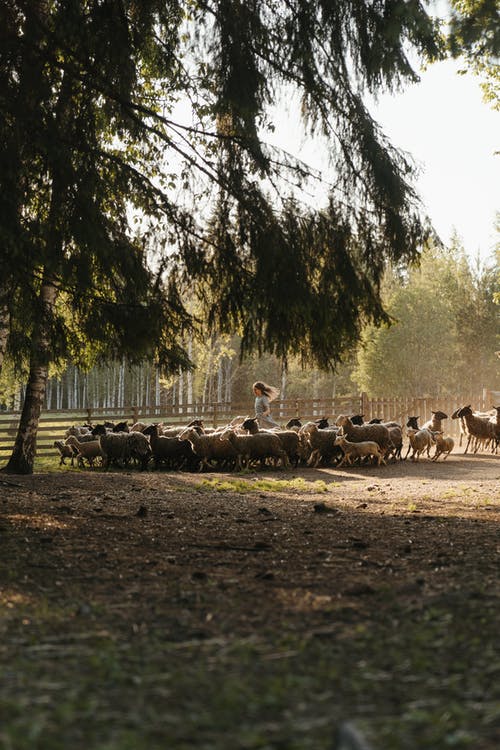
(212, 558)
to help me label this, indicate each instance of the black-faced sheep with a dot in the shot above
(170, 451)
(480, 428)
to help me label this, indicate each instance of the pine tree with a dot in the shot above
(88, 92)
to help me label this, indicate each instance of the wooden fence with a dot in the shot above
(53, 424)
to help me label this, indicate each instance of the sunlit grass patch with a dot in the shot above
(264, 485)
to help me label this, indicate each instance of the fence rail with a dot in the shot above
(53, 424)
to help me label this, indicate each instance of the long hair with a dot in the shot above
(270, 391)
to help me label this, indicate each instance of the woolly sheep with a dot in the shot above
(89, 450)
(477, 427)
(321, 443)
(395, 432)
(289, 438)
(209, 448)
(365, 448)
(443, 445)
(359, 433)
(65, 451)
(434, 423)
(170, 451)
(257, 447)
(420, 440)
(115, 448)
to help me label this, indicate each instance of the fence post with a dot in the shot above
(363, 402)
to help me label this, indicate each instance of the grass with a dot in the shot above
(118, 691)
(244, 486)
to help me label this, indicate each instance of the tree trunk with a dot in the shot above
(4, 332)
(24, 451)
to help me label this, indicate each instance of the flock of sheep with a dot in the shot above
(242, 444)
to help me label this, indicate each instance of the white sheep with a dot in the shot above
(365, 448)
(443, 445)
(420, 441)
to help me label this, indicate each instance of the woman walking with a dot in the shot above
(264, 394)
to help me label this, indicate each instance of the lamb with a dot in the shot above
(359, 450)
(65, 451)
(395, 432)
(321, 443)
(89, 450)
(289, 438)
(209, 448)
(443, 445)
(257, 447)
(477, 427)
(378, 433)
(171, 451)
(420, 440)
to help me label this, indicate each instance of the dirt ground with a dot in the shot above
(316, 556)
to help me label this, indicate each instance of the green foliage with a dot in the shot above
(443, 334)
(475, 34)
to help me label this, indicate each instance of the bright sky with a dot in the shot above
(452, 135)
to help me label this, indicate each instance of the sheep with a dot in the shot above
(358, 450)
(77, 431)
(176, 430)
(477, 427)
(257, 447)
(171, 451)
(378, 433)
(443, 445)
(495, 420)
(65, 451)
(420, 440)
(140, 448)
(395, 432)
(289, 438)
(321, 443)
(293, 424)
(434, 423)
(89, 450)
(209, 448)
(115, 448)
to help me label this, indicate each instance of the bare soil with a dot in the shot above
(254, 595)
